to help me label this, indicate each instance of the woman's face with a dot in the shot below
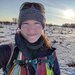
(31, 30)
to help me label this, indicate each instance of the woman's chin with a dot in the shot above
(32, 39)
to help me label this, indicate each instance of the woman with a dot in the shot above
(31, 54)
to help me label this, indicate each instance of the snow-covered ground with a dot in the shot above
(64, 39)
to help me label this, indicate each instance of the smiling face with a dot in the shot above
(31, 30)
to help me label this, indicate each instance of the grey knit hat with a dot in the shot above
(31, 14)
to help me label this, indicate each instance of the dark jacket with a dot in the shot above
(5, 52)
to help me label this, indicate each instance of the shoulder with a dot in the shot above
(4, 47)
(8, 46)
(52, 51)
(54, 61)
(52, 55)
(5, 52)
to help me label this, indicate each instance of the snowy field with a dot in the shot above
(62, 38)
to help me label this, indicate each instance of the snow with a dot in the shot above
(65, 45)
(64, 39)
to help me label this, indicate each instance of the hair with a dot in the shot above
(46, 40)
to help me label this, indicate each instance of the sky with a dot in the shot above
(56, 11)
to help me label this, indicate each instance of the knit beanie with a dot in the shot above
(31, 14)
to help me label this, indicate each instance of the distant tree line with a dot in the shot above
(68, 25)
(15, 22)
(64, 25)
(8, 22)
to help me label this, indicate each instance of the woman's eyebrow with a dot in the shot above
(24, 23)
(37, 23)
